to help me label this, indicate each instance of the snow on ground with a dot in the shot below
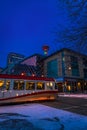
(39, 117)
(73, 95)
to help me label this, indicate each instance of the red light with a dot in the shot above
(45, 49)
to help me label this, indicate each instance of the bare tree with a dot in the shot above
(75, 34)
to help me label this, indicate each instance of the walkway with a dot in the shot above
(80, 95)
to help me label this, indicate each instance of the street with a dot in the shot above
(72, 104)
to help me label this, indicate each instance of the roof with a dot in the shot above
(65, 49)
(16, 54)
(7, 76)
(31, 57)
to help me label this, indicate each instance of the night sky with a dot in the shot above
(27, 25)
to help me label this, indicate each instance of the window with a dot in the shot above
(4, 84)
(52, 68)
(49, 85)
(85, 62)
(30, 86)
(56, 85)
(74, 66)
(85, 73)
(18, 85)
(40, 86)
(7, 85)
(1, 84)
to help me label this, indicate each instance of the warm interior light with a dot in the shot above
(1, 83)
(33, 75)
(69, 68)
(69, 88)
(22, 73)
(47, 83)
(16, 94)
(51, 84)
(79, 84)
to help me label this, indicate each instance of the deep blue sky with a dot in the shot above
(26, 25)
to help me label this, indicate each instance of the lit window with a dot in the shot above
(1, 83)
(79, 84)
(30, 86)
(51, 84)
(69, 87)
(7, 85)
(18, 85)
(40, 85)
(47, 84)
(16, 94)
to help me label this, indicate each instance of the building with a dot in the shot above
(20, 69)
(34, 63)
(1, 69)
(12, 60)
(31, 65)
(69, 69)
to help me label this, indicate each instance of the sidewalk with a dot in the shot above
(80, 95)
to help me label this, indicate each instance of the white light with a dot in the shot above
(16, 94)
(47, 84)
(51, 84)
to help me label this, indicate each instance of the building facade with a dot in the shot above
(69, 69)
(35, 63)
(31, 65)
(1, 69)
(12, 60)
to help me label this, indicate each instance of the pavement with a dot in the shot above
(76, 103)
(79, 95)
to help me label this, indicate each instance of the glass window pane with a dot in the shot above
(1, 84)
(18, 85)
(49, 85)
(52, 68)
(7, 85)
(40, 86)
(30, 86)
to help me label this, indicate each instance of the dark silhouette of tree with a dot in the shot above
(74, 35)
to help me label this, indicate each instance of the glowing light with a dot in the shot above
(51, 84)
(79, 84)
(85, 83)
(47, 84)
(63, 59)
(23, 73)
(69, 68)
(1, 83)
(69, 88)
(33, 75)
(45, 48)
(16, 94)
